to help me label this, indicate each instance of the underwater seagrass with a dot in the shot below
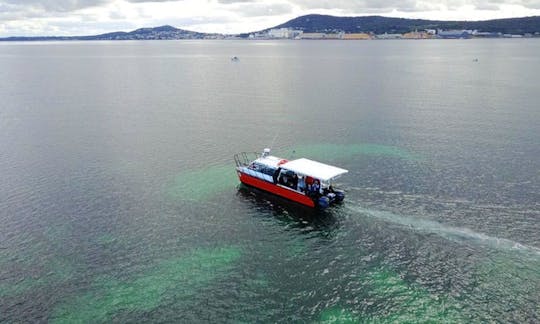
(178, 278)
(396, 301)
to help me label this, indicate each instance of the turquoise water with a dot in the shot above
(119, 201)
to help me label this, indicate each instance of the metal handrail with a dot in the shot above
(243, 159)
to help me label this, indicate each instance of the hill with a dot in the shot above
(162, 32)
(323, 24)
(380, 25)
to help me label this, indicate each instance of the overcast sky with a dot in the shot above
(87, 17)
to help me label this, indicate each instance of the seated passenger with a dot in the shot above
(301, 184)
(275, 176)
(309, 183)
(294, 181)
(316, 186)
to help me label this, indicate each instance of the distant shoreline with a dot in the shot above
(52, 39)
(324, 27)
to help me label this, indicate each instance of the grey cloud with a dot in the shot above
(204, 20)
(141, 1)
(369, 6)
(363, 6)
(234, 1)
(13, 12)
(486, 6)
(117, 15)
(258, 8)
(54, 5)
(264, 9)
(533, 4)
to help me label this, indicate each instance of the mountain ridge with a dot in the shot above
(380, 24)
(314, 23)
(147, 33)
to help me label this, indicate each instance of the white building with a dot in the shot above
(283, 33)
(389, 36)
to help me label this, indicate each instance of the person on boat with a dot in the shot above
(329, 192)
(316, 185)
(315, 188)
(309, 182)
(301, 184)
(294, 182)
(276, 174)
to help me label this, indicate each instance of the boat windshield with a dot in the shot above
(263, 168)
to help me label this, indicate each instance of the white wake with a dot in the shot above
(448, 232)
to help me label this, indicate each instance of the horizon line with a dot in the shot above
(250, 32)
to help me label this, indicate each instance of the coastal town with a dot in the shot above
(289, 33)
(321, 27)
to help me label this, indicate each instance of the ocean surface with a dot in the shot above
(119, 201)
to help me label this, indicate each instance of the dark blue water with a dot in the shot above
(119, 200)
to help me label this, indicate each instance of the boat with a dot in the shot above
(301, 180)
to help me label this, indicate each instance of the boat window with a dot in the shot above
(263, 168)
(288, 178)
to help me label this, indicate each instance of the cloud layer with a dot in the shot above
(80, 17)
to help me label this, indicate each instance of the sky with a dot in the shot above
(90, 17)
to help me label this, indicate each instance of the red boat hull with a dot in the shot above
(275, 189)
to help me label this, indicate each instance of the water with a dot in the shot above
(119, 202)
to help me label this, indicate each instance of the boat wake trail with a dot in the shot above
(449, 232)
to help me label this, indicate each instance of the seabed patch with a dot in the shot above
(178, 278)
(50, 266)
(392, 300)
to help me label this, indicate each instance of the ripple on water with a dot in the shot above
(449, 232)
(389, 299)
(507, 285)
(178, 278)
(202, 184)
(334, 152)
(36, 260)
(500, 283)
(338, 315)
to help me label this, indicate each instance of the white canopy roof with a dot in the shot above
(321, 171)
